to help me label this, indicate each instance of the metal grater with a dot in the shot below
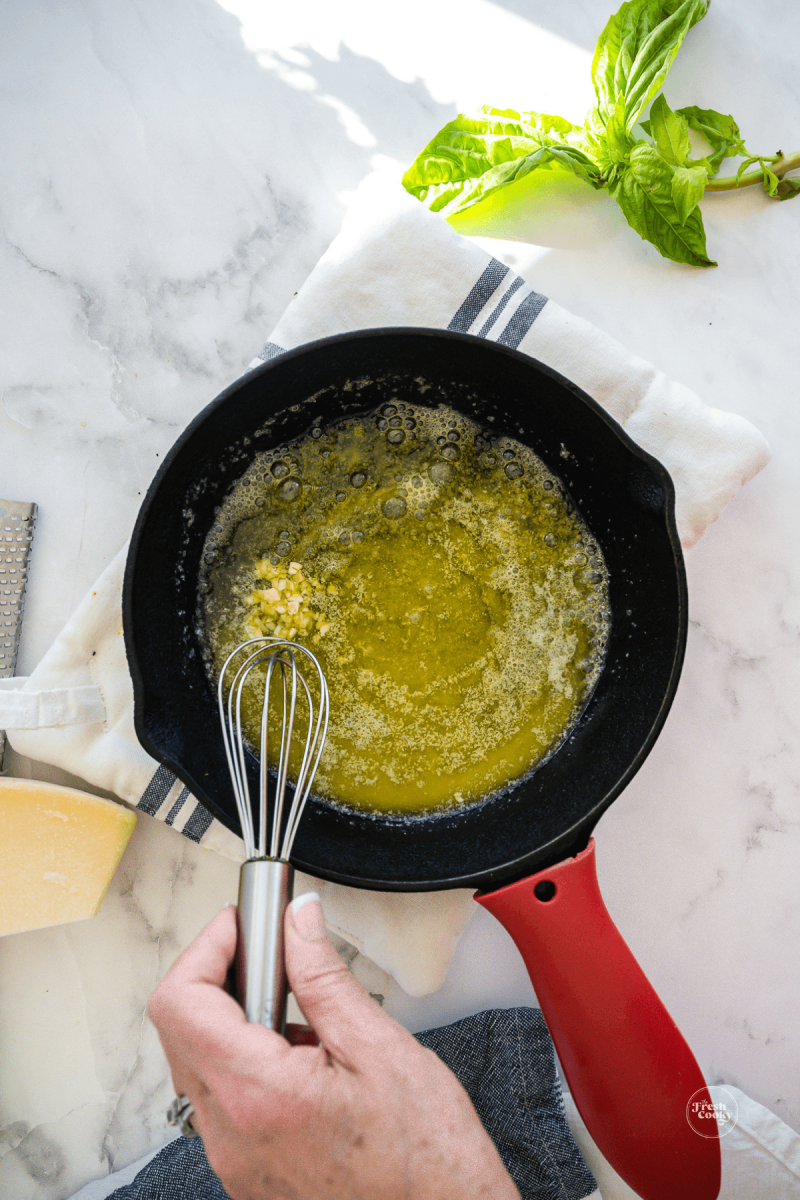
(16, 534)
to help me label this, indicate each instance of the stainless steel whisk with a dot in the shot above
(265, 881)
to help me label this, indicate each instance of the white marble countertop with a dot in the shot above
(171, 173)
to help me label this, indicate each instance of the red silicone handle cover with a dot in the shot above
(627, 1065)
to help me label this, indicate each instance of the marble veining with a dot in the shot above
(171, 175)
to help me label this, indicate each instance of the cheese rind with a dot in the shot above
(59, 849)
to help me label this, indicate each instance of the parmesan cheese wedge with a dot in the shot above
(59, 849)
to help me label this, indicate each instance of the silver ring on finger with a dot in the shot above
(180, 1113)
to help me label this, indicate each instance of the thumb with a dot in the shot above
(345, 1017)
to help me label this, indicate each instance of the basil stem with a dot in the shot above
(780, 165)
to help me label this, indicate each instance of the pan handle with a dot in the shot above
(627, 1065)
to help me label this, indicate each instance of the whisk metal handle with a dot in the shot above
(265, 888)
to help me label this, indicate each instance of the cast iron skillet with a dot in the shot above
(528, 850)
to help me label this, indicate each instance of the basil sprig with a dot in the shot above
(656, 182)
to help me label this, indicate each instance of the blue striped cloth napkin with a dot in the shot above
(504, 1060)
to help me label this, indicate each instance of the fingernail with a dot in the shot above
(309, 919)
(227, 904)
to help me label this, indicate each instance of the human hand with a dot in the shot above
(368, 1115)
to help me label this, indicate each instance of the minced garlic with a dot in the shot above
(283, 608)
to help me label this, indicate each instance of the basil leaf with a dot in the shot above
(636, 49)
(476, 155)
(771, 181)
(669, 131)
(618, 142)
(719, 129)
(596, 139)
(744, 166)
(644, 193)
(787, 188)
(654, 58)
(688, 185)
(608, 140)
(616, 49)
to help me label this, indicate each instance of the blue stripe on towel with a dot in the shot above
(488, 283)
(183, 796)
(156, 791)
(270, 350)
(497, 310)
(198, 823)
(522, 320)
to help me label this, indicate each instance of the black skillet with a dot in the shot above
(528, 851)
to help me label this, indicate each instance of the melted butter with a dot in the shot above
(455, 599)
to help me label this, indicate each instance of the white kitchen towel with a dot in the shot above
(394, 263)
(760, 1153)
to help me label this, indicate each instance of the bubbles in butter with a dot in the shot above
(455, 598)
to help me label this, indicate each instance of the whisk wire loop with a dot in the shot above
(264, 760)
(287, 732)
(277, 654)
